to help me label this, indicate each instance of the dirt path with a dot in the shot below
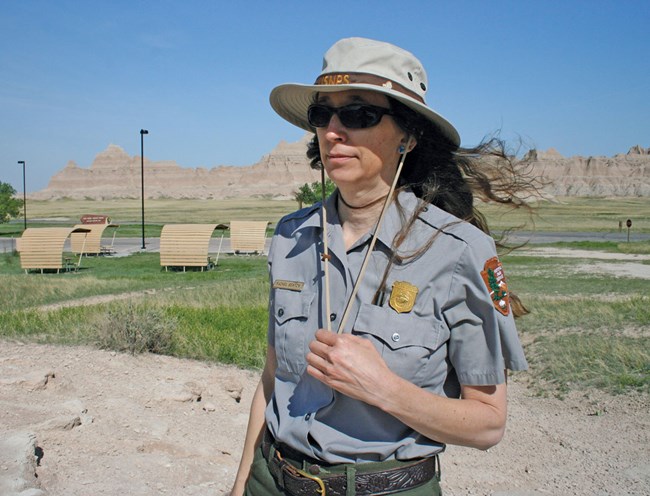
(112, 424)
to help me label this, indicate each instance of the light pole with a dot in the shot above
(142, 133)
(22, 162)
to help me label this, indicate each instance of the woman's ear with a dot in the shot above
(408, 143)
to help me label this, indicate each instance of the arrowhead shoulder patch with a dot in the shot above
(495, 281)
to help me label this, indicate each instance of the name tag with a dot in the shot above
(290, 285)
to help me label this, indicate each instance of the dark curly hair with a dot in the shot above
(452, 178)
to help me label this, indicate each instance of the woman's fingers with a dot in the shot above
(346, 363)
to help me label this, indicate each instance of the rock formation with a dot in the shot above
(114, 174)
(621, 175)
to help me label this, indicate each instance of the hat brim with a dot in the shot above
(291, 101)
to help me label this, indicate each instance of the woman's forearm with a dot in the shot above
(353, 366)
(476, 420)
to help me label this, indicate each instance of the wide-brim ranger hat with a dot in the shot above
(360, 63)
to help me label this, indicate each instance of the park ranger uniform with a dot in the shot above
(442, 319)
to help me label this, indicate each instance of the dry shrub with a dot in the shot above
(137, 329)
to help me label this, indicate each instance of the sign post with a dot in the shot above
(628, 223)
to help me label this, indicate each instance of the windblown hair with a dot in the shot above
(452, 178)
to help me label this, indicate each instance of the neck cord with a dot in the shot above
(373, 202)
(371, 246)
(325, 257)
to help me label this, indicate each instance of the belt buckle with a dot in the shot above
(302, 473)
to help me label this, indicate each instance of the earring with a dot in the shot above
(401, 149)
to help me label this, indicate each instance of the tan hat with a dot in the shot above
(360, 63)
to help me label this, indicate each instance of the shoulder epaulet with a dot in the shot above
(301, 214)
(451, 225)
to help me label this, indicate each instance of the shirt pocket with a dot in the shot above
(409, 344)
(291, 311)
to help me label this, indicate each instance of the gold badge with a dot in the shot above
(402, 296)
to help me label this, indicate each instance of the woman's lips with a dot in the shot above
(338, 157)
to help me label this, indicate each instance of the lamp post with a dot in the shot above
(142, 133)
(22, 162)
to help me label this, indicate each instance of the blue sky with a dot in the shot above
(76, 76)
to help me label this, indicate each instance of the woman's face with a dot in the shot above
(363, 159)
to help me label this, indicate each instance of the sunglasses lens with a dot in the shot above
(359, 116)
(319, 115)
(352, 116)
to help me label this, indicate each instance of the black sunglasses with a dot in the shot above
(354, 116)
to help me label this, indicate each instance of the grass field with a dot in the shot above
(565, 214)
(585, 330)
(576, 214)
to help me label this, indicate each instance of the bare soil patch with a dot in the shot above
(110, 423)
(629, 265)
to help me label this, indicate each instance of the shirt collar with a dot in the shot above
(313, 219)
(391, 224)
(395, 218)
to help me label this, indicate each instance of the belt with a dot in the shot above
(298, 482)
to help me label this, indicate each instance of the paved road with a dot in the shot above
(124, 246)
(132, 245)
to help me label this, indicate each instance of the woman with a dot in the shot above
(390, 323)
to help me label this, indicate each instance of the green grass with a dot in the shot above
(585, 329)
(574, 214)
(580, 313)
(235, 335)
(219, 315)
(551, 277)
(110, 275)
(127, 212)
(618, 364)
(563, 214)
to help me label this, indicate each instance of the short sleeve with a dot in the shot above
(483, 336)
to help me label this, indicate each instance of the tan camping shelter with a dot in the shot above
(91, 243)
(248, 236)
(42, 248)
(188, 245)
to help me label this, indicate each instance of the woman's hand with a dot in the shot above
(349, 364)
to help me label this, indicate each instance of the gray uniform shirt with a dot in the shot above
(452, 332)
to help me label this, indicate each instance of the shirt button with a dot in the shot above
(395, 337)
(332, 317)
(308, 416)
(281, 312)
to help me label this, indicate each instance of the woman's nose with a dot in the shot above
(335, 130)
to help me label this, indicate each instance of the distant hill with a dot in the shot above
(115, 174)
(621, 175)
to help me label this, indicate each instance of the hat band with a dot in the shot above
(335, 78)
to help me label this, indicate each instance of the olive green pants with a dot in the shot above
(262, 483)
